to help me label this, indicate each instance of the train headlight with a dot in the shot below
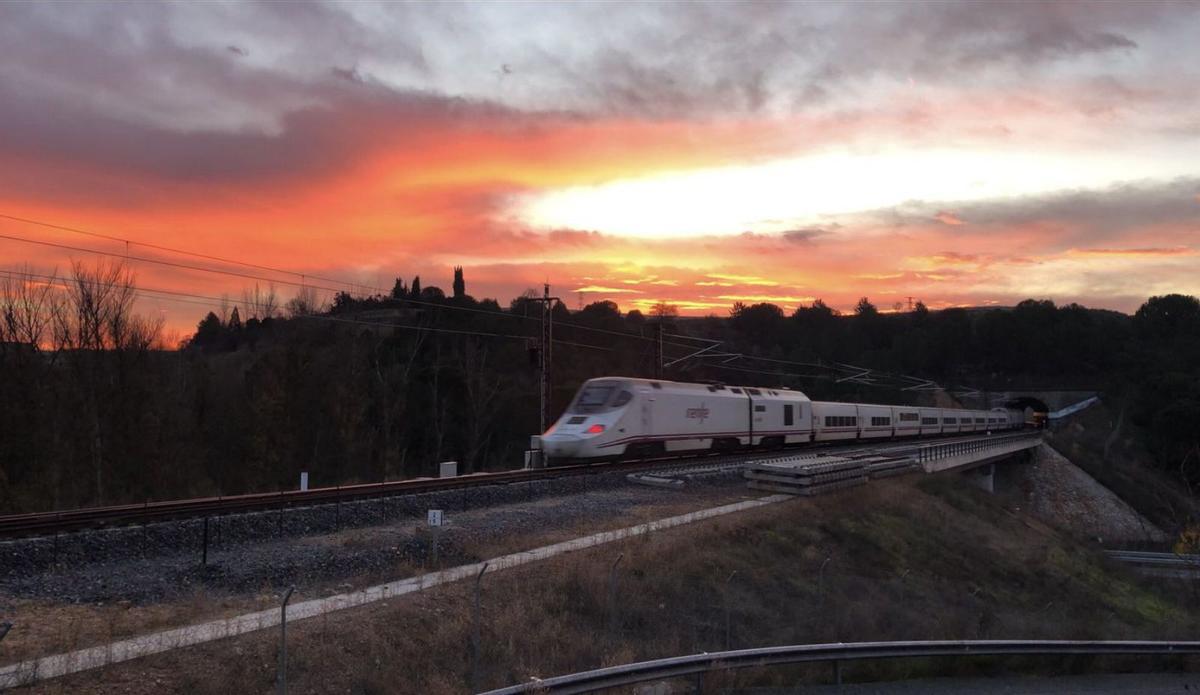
(595, 429)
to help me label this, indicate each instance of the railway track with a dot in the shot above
(44, 523)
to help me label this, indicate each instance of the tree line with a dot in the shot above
(98, 410)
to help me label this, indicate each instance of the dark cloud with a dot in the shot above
(1073, 219)
(803, 236)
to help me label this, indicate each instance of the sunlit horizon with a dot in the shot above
(1002, 152)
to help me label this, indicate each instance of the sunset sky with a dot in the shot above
(702, 154)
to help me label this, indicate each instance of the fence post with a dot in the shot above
(821, 579)
(475, 632)
(204, 552)
(281, 676)
(612, 594)
(728, 616)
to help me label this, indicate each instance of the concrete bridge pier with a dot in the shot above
(983, 477)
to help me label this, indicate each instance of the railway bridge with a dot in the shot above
(836, 469)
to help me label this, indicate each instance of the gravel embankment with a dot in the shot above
(303, 546)
(1060, 492)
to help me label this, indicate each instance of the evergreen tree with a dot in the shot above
(208, 331)
(415, 291)
(460, 285)
(399, 290)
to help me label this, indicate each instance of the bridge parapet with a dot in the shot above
(817, 473)
(943, 456)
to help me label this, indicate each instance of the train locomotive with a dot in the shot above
(618, 417)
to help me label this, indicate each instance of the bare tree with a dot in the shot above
(260, 303)
(481, 385)
(305, 303)
(663, 309)
(98, 320)
(29, 304)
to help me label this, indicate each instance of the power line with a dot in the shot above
(169, 249)
(258, 278)
(203, 300)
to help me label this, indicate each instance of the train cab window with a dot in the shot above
(594, 396)
(622, 398)
(754, 392)
(735, 390)
(787, 415)
(577, 420)
(760, 408)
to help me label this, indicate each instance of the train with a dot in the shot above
(613, 418)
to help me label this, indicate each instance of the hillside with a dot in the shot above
(924, 559)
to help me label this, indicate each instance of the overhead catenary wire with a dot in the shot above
(258, 278)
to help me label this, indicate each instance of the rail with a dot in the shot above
(699, 664)
(17, 525)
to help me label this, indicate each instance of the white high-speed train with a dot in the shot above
(619, 417)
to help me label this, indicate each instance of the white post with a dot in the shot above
(303, 481)
(449, 469)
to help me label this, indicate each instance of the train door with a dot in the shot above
(647, 400)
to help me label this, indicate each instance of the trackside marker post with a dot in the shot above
(435, 519)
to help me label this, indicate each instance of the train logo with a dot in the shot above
(700, 413)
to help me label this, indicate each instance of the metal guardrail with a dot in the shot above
(936, 451)
(1138, 557)
(699, 664)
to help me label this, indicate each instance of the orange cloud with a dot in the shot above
(1169, 251)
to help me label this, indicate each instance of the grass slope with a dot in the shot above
(906, 559)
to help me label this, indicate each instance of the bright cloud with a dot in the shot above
(697, 154)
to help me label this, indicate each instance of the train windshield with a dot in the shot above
(594, 398)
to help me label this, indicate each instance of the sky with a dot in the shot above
(695, 153)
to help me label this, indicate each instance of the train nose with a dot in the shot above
(561, 445)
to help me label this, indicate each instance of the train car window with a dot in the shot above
(787, 414)
(760, 408)
(840, 421)
(594, 396)
(880, 421)
(622, 398)
(929, 421)
(979, 420)
(950, 421)
(908, 417)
